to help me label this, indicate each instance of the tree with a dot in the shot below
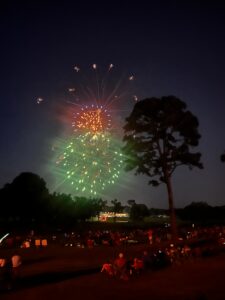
(98, 206)
(62, 209)
(138, 212)
(159, 136)
(26, 198)
(117, 207)
(197, 211)
(84, 208)
(131, 202)
(222, 157)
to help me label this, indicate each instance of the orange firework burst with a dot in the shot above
(92, 119)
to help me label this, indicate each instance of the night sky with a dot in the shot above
(172, 48)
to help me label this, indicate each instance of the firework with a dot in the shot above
(39, 100)
(135, 98)
(92, 119)
(131, 77)
(91, 162)
(71, 90)
(76, 68)
(111, 66)
(102, 88)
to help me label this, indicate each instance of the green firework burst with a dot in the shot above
(90, 162)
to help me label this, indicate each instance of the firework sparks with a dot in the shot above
(135, 98)
(131, 77)
(39, 100)
(91, 162)
(111, 66)
(92, 119)
(77, 69)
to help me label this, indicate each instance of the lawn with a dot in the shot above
(73, 273)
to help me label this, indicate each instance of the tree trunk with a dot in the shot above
(173, 221)
(114, 218)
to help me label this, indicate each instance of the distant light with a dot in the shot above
(4, 236)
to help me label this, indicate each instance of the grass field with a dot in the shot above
(73, 273)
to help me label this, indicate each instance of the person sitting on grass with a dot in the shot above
(137, 266)
(107, 268)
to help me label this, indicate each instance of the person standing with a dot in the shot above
(120, 267)
(16, 267)
(5, 274)
(2, 272)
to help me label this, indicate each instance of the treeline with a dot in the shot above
(27, 202)
(202, 212)
(196, 212)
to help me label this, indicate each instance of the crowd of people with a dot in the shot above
(91, 238)
(124, 268)
(154, 258)
(159, 250)
(192, 244)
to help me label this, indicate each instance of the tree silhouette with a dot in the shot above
(98, 206)
(159, 136)
(62, 209)
(25, 203)
(138, 212)
(117, 207)
(131, 202)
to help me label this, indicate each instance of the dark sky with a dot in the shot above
(172, 47)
